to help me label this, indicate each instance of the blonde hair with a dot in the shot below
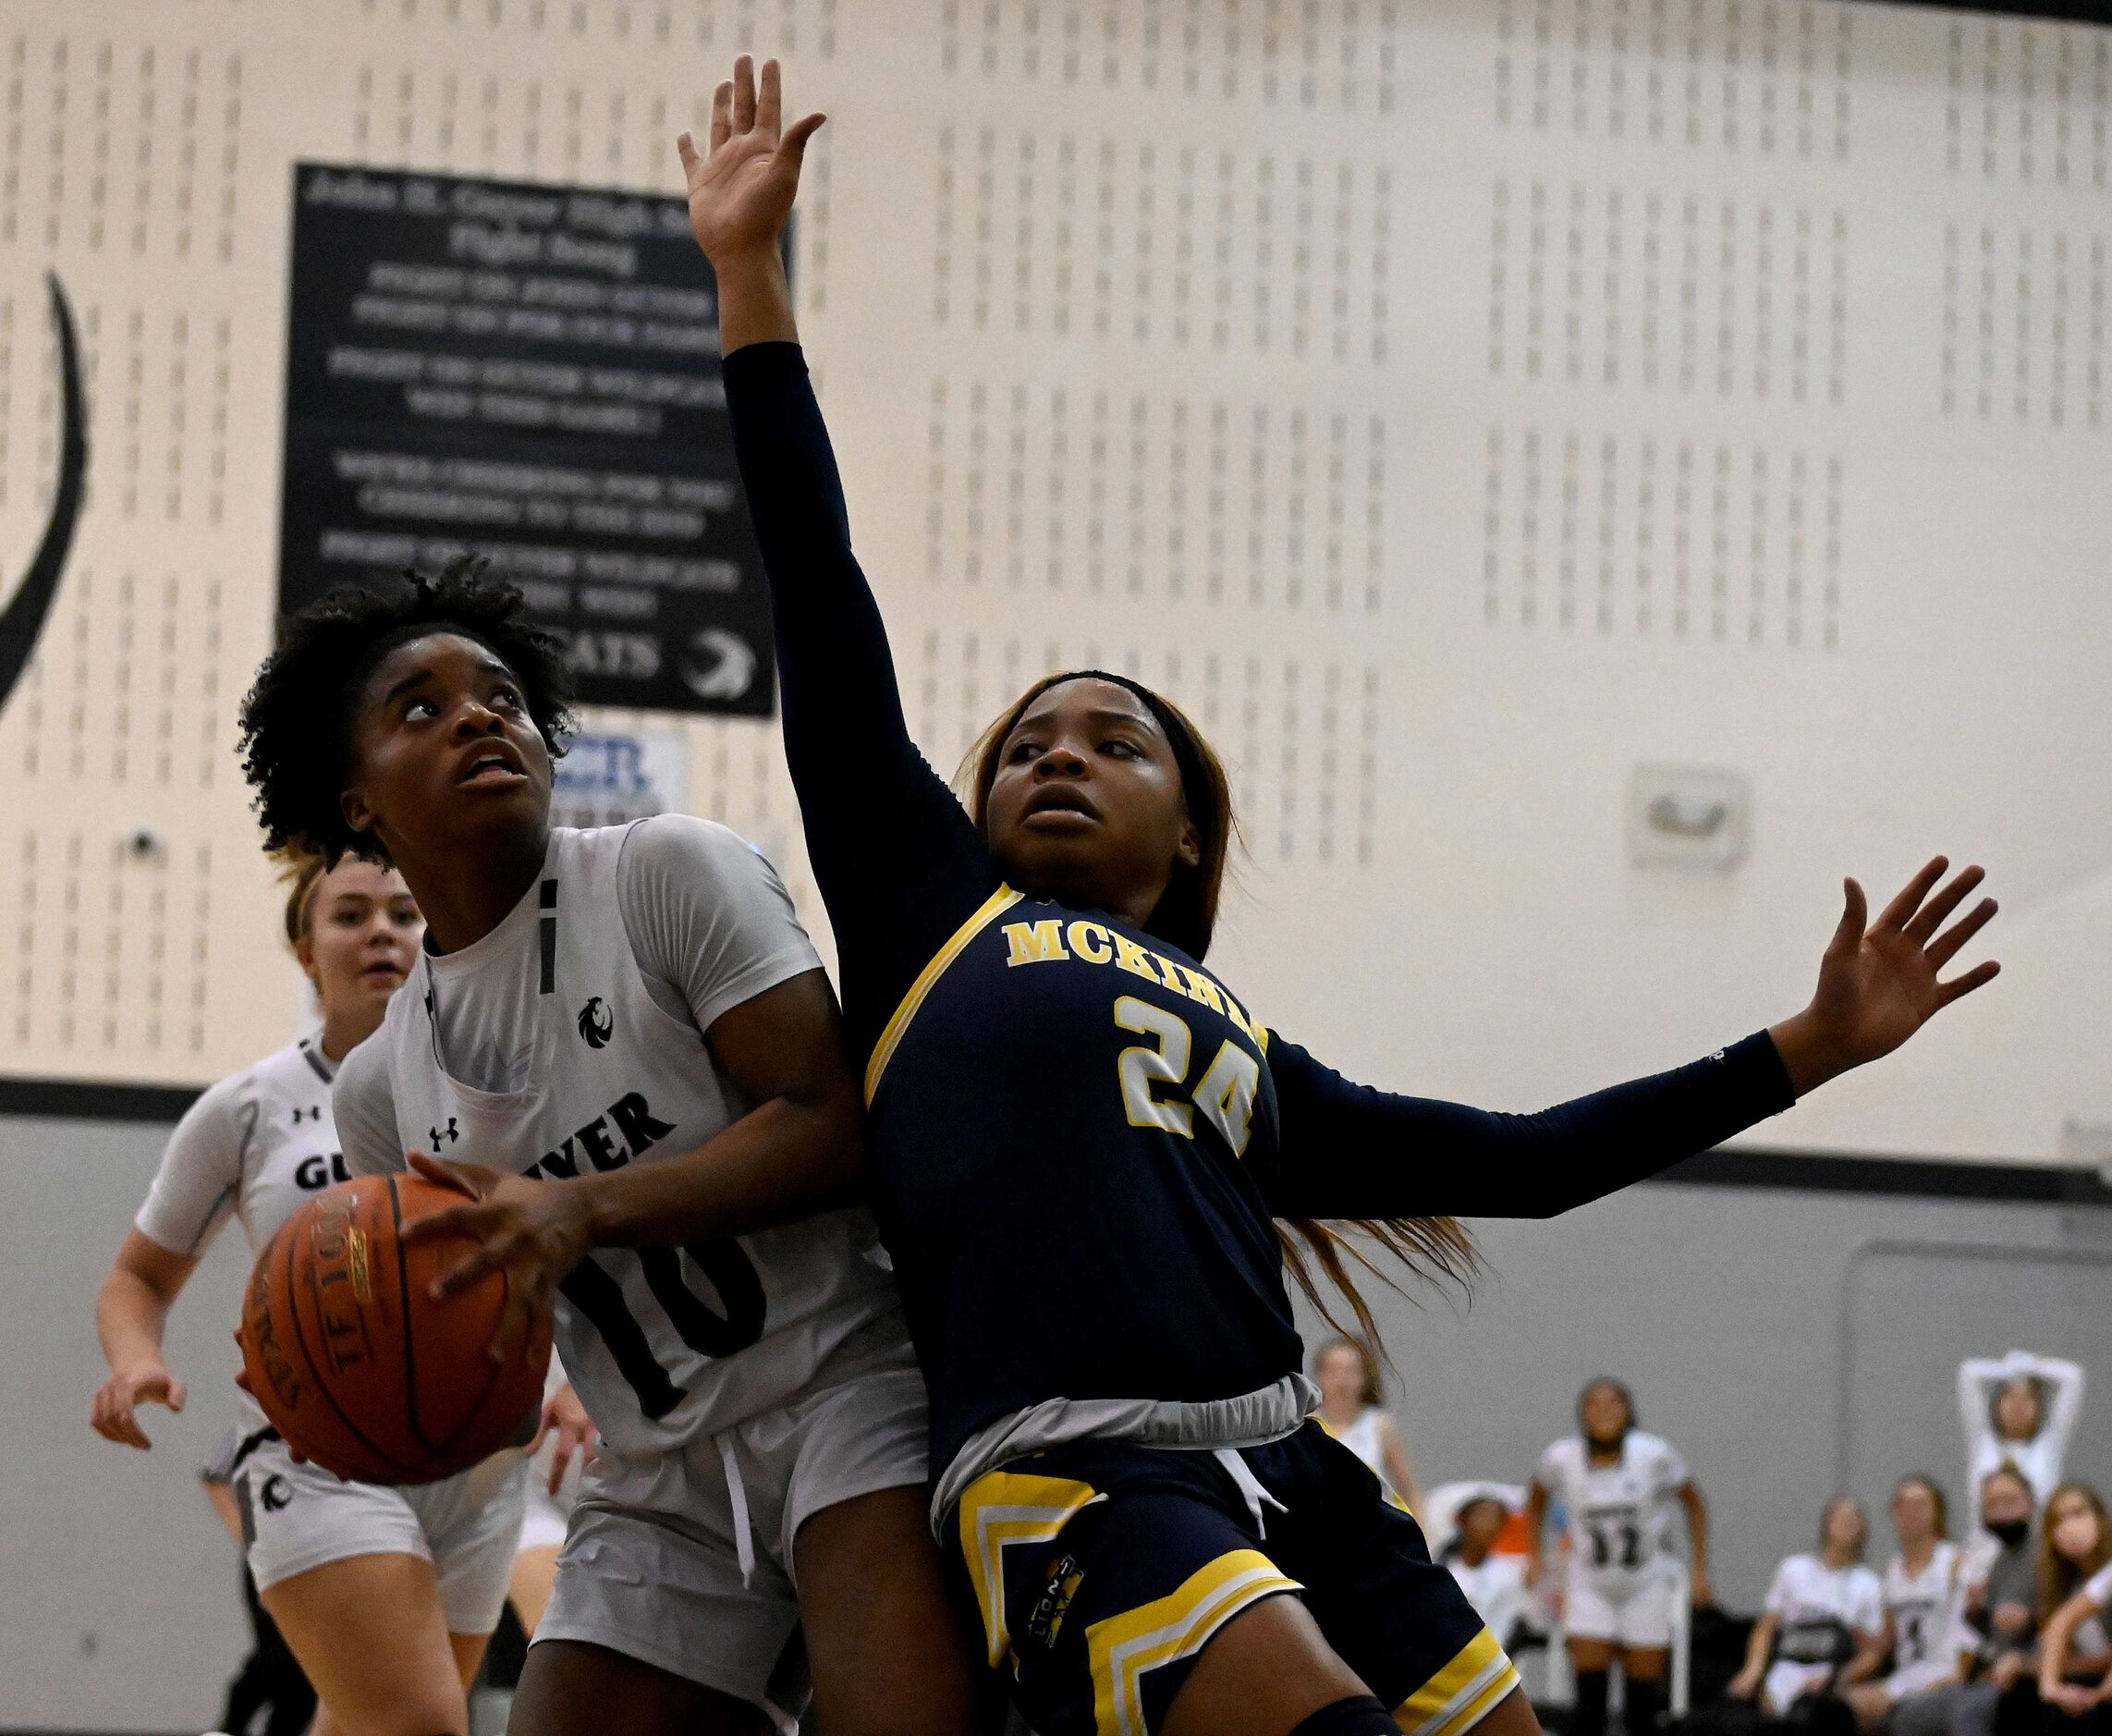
(302, 871)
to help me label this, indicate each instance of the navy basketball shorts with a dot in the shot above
(1100, 1569)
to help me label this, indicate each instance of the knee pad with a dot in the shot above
(1361, 1716)
(1590, 1717)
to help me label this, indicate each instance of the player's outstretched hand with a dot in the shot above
(1878, 982)
(571, 1430)
(742, 191)
(118, 1399)
(536, 1232)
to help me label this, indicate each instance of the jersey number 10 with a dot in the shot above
(599, 1297)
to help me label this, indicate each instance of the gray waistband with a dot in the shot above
(1253, 1418)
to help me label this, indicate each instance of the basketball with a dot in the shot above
(355, 1364)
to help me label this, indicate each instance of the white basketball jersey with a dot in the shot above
(1922, 1606)
(663, 1345)
(257, 1146)
(1820, 1609)
(1621, 1515)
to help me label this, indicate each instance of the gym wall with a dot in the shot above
(1491, 416)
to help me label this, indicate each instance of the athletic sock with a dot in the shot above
(1645, 1710)
(1361, 1716)
(1590, 1717)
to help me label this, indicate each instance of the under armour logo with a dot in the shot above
(596, 1023)
(312, 1113)
(436, 1134)
(275, 1493)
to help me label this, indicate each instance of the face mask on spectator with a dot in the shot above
(2010, 1532)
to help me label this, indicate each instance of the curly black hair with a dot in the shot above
(296, 721)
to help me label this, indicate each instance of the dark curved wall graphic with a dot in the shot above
(24, 617)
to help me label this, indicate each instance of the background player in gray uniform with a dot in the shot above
(624, 1039)
(385, 1595)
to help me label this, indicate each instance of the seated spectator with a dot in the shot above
(1822, 1627)
(1353, 1409)
(1998, 1620)
(2018, 1409)
(2074, 1679)
(1494, 1579)
(1923, 1599)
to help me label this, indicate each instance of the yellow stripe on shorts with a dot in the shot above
(1005, 1506)
(1178, 1625)
(1459, 1695)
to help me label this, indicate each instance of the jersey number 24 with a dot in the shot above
(1223, 1096)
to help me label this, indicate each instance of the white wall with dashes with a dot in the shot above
(1458, 403)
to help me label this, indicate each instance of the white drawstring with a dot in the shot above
(736, 1493)
(1249, 1485)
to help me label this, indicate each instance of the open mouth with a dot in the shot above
(493, 767)
(389, 973)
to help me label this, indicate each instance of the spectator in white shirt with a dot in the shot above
(2021, 1410)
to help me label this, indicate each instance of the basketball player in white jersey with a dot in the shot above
(1922, 1592)
(1353, 1409)
(1620, 1488)
(1821, 1629)
(623, 1038)
(386, 1595)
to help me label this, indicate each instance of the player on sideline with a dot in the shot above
(1618, 1486)
(623, 1038)
(386, 1595)
(1924, 1594)
(1079, 1139)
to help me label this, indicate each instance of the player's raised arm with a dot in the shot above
(1350, 1151)
(847, 744)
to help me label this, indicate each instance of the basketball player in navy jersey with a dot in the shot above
(1083, 1142)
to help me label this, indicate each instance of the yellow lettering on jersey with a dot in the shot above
(1089, 941)
(1192, 982)
(1130, 957)
(1034, 943)
(1238, 1016)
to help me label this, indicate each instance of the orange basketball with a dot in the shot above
(353, 1361)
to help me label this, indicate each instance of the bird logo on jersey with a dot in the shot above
(597, 1024)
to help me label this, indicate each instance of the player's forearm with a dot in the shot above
(1761, 1643)
(755, 301)
(1697, 1529)
(783, 1160)
(130, 1318)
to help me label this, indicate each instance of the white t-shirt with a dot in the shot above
(257, 1146)
(1497, 1589)
(1980, 1378)
(1923, 1607)
(1621, 1515)
(2091, 1636)
(569, 1039)
(1820, 1609)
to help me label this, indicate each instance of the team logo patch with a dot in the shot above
(1055, 1601)
(597, 1024)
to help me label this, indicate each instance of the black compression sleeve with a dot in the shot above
(1348, 1150)
(898, 862)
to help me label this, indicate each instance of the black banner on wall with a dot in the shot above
(531, 372)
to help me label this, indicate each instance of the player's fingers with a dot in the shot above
(770, 101)
(177, 1393)
(686, 153)
(512, 1318)
(1854, 914)
(722, 113)
(1895, 914)
(560, 1457)
(1958, 988)
(743, 94)
(804, 129)
(454, 1220)
(1936, 911)
(1943, 947)
(467, 1270)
